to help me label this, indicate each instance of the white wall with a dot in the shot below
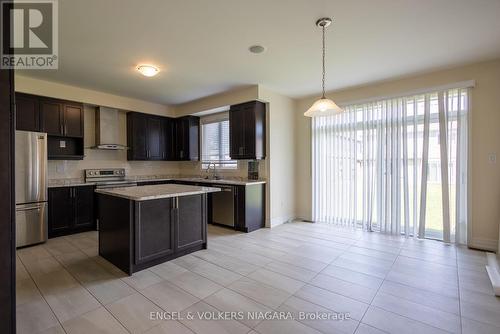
(281, 153)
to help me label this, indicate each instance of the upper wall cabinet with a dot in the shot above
(62, 120)
(247, 130)
(151, 137)
(27, 112)
(187, 138)
(145, 137)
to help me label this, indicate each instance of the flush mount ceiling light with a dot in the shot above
(148, 70)
(323, 106)
(257, 49)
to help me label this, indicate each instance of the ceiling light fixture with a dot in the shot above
(148, 70)
(323, 106)
(257, 49)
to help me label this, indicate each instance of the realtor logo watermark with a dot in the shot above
(33, 40)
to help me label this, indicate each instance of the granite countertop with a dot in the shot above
(144, 193)
(75, 182)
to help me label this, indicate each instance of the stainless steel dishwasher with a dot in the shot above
(223, 206)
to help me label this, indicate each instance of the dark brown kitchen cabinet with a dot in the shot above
(187, 138)
(146, 137)
(61, 118)
(135, 235)
(247, 130)
(27, 112)
(71, 210)
(154, 230)
(51, 112)
(190, 211)
(73, 119)
(249, 207)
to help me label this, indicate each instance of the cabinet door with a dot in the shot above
(27, 113)
(169, 139)
(155, 139)
(249, 132)
(182, 139)
(136, 137)
(52, 117)
(84, 207)
(73, 120)
(237, 132)
(61, 211)
(190, 221)
(154, 229)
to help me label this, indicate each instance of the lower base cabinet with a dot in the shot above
(71, 210)
(137, 235)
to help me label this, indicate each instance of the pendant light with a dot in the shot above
(323, 106)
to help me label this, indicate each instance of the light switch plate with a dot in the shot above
(492, 158)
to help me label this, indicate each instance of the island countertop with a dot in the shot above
(145, 193)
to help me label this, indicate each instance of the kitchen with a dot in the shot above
(271, 164)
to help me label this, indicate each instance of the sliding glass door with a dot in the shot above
(396, 166)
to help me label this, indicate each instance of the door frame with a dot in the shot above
(7, 202)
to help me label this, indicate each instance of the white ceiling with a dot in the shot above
(201, 46)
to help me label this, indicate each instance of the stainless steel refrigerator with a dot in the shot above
(31, 188)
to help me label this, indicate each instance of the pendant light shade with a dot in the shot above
(323, 106)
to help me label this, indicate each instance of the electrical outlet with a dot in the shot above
(62, 144)
(492, 158)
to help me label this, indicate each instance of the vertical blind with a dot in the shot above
(396, 165)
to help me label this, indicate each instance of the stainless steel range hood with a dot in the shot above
(107, 134)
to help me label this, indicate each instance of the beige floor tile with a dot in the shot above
(276, 280)
(208, 270)
(332, 301)
(202, 323)
(260, 292)
(420, 296)
(470, 326)
(26, 291)
(433, 317)
(169, 327)
(97, 321)
(59, 246)
(291, 271)
(195, 284)
(134, 312)
(335, 324)
(168, 270)
(284, 327)
(108, 291)
(33, 253)
(395, 324)
(34, 317)
(355, 277)
(345, 288)
(229, 301)
(169, 297)
(227, 262)
(142, 279)
(71, 303)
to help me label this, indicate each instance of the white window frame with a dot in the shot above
(221, 164)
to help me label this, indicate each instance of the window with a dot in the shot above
(395, 166)
(215, 142)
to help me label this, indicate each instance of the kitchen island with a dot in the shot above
(143, 226)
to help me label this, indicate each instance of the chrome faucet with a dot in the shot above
(214, 175)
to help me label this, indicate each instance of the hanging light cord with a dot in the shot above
(323, 28)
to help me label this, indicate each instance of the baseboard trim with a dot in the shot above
(281, 220)
(493, 270)
(484, 244)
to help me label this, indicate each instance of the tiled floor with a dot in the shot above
(386, 284)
